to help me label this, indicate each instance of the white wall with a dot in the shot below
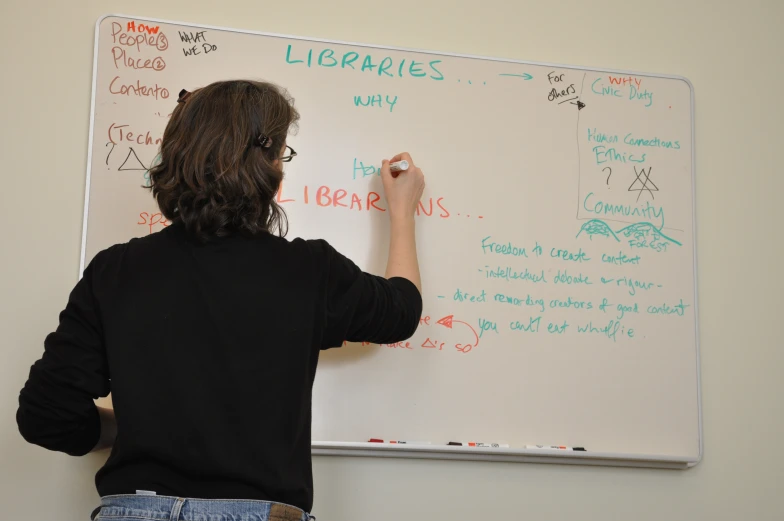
(730, 50)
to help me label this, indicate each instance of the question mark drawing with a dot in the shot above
(110, 152)
(608, 175)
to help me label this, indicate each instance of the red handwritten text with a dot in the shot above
(141, 28)
(328, 197)
(401, 345)
(433, 342)
(152, 220)
(630, 80)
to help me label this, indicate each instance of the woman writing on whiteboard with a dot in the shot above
(208, 333)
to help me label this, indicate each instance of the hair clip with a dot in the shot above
(183, 96)
(264, 141)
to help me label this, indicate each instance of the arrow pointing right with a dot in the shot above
(524, 75)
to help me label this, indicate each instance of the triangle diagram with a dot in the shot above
(132, 162)
(446, 321)
(646, 185)
(428, 343)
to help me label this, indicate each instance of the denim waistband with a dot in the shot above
(169, 508)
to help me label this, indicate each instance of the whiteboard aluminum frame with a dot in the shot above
(509, 455)
(446, 452)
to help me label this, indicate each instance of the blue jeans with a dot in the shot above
(130, 507)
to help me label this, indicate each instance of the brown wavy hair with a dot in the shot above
(213, 176)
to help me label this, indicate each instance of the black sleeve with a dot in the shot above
(56, 407)
(366, 308)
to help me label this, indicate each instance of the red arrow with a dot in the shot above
(449, 321)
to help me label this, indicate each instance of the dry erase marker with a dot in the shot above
(478, 444)
(398, 166)
(399, 442)
(555, 447)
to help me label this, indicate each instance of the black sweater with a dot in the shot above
(209, 351)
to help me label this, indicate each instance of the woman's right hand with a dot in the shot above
(404, 189)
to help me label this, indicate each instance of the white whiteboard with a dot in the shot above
(554, 195)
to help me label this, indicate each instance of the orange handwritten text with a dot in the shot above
(138, 89)
(141, 28)
(152, 220)
(120, 133)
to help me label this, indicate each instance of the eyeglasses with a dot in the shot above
(291, 155)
